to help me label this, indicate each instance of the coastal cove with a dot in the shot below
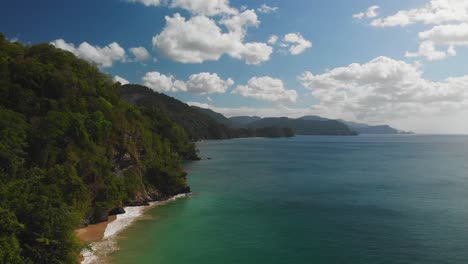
(364, 199)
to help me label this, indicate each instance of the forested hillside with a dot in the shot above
(199, 123)
(306, 127)
(71, 150)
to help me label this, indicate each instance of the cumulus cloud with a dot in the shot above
(450, 27)
(163, 83)
(200, 39)
(147, 2)
(384, 89)
(120, 80)
(103, 57)
(213, 30)
(266, 9)
(292, 43)
(370, 13)
(205, 7)
(429, 51)
(450, 36)
(208, 83)
(295, 43)
(267, 89)
(202, 83)
(197, 7)
(435, 12)
(13, 39)
(273, 39)
(140, 53)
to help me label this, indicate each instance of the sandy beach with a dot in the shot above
(102, 235)
(94, 233)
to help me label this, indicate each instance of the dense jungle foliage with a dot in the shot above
(71, 150)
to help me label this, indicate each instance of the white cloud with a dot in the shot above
(370, 13)
(428, 50)
(120, 80)
(273, 39)
(140, 53)
(295, 43)
(202, 83)
(255, 53)
(13, 39)
(163, 83)
(450, 36)
(265, 9)
(200, 39)
(147, 2)
(237, 24)
(435, 12)
(383, 90)
(208, 83)
(267, 89)
(450, 18)
(196, 7)
(205, 7)
(103, 57)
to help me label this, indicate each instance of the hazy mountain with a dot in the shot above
(306, 127)
(362, 128)
(216, 116)
(354, 125)
(242, 121)
(383, 129)
(314, 118)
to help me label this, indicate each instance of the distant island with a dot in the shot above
(306, 125)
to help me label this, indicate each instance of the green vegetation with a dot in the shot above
(305, 127)
(71, 150)
(199, 123)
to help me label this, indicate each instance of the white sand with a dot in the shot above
(101, 249)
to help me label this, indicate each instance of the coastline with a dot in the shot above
(102, 236)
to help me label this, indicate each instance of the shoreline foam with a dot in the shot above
(100, 250)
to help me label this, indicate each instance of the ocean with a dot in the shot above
(362, 199)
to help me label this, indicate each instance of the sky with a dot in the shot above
(402, 63)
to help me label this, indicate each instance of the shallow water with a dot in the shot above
(364, 199)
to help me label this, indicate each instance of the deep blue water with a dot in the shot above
(364, 199)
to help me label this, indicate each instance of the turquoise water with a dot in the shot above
(365, 199)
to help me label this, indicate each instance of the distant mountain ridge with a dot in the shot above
(361, 128)
(202, 123)
(199, 123)
(303, 125)
(240, 121)
(307, 127)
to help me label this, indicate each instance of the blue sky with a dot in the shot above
(329, 59)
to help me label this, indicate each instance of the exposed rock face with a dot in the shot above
(117, 211)
(99, 217)
(122, 163)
